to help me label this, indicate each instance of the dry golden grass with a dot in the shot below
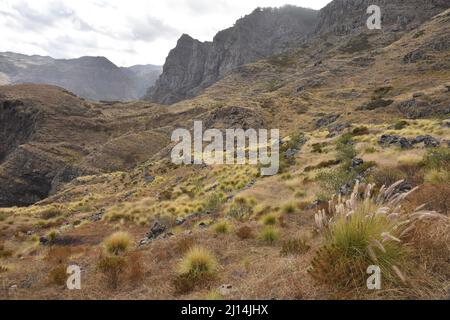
(118, 243)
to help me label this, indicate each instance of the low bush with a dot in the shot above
(241, 208)
(223, 227)
(269, 235)
(244, 232)
(269, 219)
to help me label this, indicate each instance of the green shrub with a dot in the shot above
(345, 148)
(269, 220)
(269, 235)
(437, 158)
(213, 202)
(241, 208)
(399, 125)
(223, 227)
(331, 180)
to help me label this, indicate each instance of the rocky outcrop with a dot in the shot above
(350, 16)
(405, 143)
(94, 78)
(48, 137)
(194, 65)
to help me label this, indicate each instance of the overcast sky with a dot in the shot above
(127, 32)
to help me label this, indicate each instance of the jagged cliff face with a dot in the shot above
(350, 16)
(193, 65)
(94, 78)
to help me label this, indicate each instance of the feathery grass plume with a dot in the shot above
(362, 230)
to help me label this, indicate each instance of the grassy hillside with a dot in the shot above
(185, 231)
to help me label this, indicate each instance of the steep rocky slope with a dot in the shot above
(347, 16)
(193, 65)
(94, 78)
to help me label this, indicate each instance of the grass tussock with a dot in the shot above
(223, 227)
(295, 246)
(116, 261)
(269, 235)
(241, 208)
(366, 230)
(118, 243)
(269, 220)
(198, 266)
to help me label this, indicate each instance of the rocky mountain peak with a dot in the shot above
(193, 65)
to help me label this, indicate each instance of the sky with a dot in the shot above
(127, 32)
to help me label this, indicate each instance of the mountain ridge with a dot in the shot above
(89, 77)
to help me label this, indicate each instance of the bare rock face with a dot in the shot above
(194, 65)
(350, 16)
(94, 78)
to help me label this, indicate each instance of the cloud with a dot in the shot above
(126, 32)
(149, 29)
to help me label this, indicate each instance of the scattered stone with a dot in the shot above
(356, 162)
(203, 225)
(290, 153)
(26, 283)
(226, 289)
(404, 143)
(375, 104)
(418, 94)
(179, 221)
(155, 231)
(388, 140)
(337, 128)
(129, 194)
(427, 140)
(327, 120)
(97, 216)
(346, 189)
(416, 109)
(414, 56)
(315, 204)
(148, 178)
(43, 240)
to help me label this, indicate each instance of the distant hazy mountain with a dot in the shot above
(94, 78)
